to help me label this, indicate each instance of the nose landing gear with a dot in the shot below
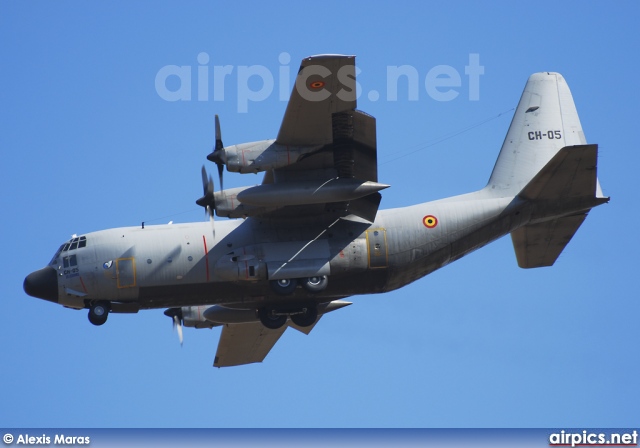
(99, 312)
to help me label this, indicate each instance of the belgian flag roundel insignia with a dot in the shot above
(430, 221)
(317, 85)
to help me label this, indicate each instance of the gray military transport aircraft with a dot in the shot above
(311, 234)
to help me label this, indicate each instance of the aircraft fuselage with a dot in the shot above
(184, 264)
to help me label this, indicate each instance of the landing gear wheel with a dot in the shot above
(315, 284)
(271, 320)
(307, 317)
(284, 286)
(98, 313)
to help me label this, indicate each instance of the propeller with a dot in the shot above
(176, 315)
(208, 200)
(218, 156)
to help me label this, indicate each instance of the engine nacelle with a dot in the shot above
(255, 157)
(228, 205)
(220, 315)
(193, 316)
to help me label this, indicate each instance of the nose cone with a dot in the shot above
(42, 284)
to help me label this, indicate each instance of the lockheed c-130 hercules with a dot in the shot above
(312, 234)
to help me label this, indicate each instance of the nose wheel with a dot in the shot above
(99, 312)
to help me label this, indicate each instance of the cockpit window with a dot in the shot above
(54, 260)
(74, 243)
(70, 261)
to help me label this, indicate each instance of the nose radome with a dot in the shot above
(42, 284)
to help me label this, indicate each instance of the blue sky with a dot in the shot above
(88, 143)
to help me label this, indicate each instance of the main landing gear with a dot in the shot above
(306, 316)
(270, 318)
(286, 286)
(301, 315)
(99, 312)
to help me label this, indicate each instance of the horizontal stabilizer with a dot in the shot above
(570, 174)
(539, 245)
(567, 184)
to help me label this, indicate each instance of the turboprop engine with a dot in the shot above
(209, 316)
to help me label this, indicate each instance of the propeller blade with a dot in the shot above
(207, 200)
(219, 145)
(176, 316)
(204, 179)
(209, 191)
(220, 171)
(211, 209)
(218, 156)
(177, 323)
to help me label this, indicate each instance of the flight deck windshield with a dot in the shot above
(72, 244)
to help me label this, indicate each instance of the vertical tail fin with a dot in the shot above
(545, 121)
(546, 162)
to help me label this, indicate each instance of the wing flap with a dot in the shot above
(245, 344)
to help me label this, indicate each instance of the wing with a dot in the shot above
(245, 344)
(325, 85)
(343, 174)
(323, 164)
(251, 342)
